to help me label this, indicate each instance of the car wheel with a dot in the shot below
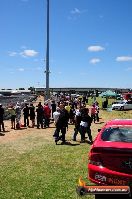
(122, 108)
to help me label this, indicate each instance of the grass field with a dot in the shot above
(33, 167)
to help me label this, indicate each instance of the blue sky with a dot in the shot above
(90, 43)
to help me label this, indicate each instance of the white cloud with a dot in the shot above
(21, 69)
(75, 11)
(95, 48)
(12, 54)
(29, 53)
(94, 60)
(124, 58)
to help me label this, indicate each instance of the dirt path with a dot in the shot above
(11, 134)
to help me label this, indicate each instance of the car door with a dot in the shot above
(128, 105)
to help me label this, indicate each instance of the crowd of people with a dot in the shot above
(61, 111)
(78, 115)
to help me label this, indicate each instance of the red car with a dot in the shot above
(110, 157)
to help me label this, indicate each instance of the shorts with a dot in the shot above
(13, 117)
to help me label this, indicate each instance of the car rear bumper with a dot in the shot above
(104, 176)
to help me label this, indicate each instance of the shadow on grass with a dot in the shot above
(88, 142)
(99, 122)
(6, 131)
(51, 127)
(23, 128)
(2, 134)
(68, 143)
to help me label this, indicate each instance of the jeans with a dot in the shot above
(76, 131)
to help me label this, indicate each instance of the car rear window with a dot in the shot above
(117, 134)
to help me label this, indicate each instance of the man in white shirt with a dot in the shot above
(56, 115)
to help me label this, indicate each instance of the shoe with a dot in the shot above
(82, 141)
(2, 134)
(63, 143)
(73, 139)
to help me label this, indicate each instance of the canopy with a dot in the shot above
(108, 93)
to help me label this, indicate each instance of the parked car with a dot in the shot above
(124, 105)
(110, 157)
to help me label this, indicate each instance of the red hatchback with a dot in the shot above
(110, 157)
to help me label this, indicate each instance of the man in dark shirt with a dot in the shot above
(53, 107)
(26, 115)
(85, 124)
(62, 124)
(40, 115)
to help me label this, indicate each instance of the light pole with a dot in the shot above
(47, 55)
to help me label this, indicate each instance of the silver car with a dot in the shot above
(124, 105)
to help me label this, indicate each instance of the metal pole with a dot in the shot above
(47, 55)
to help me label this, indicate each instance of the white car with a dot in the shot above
(124, 105)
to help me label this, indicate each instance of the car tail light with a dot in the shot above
(95, 159)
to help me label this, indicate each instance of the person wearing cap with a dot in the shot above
(2, 118)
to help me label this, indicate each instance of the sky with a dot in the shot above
(90, 43)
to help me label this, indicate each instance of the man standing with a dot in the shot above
(85, 125)
(40, 115)
(62, 123)
(47, 115)
(1, 118)
(18, 115)
(26, 115)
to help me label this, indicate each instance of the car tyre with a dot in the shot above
(122, 108)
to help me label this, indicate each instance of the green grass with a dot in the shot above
(33, 167)
(43, 171)
(100, 100)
